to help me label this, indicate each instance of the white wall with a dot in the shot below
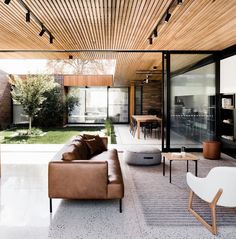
(228, 75)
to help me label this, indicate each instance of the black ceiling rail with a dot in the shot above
(30, 14)
(165, 18)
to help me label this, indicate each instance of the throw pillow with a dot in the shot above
(82, 147)
(98, 140)
(94, 146)
(71, 154)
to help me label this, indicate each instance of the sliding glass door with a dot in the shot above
(96, 104)
(191, 100)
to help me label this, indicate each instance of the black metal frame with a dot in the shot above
(227, 146)
(120, 205)
(214, 58)
(111, 50)
(170, 174)
(108, 87)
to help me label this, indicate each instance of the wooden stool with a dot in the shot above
(211, 149)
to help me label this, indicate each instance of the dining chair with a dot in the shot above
(147, 128)
(133, 126)
(218, 188)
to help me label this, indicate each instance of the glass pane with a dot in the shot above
(192, 108)
(118, 104)
(138, 100)
(78, 114)
(96, 105)
(92, 105)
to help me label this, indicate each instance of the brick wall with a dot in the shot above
(5, 101)
(152, 93)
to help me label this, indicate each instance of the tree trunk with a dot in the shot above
(30, 122)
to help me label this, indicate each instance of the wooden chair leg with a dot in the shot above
(212, 228)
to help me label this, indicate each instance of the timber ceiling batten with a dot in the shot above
(30, 15)
(121, 24)
(117, 24)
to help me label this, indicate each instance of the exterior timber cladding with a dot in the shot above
(5, 101)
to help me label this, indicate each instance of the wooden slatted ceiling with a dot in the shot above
(118, 24)
(88, 80)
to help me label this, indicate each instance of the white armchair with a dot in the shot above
(217, 188)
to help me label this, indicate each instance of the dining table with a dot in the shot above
(142, 119)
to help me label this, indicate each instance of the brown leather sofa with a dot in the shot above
(98, 177)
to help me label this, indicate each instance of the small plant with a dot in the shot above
(108, 126)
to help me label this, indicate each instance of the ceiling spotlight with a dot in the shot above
(70, 57)
(7, 1)
(27, 16)
(180, 2)
(155, 33)
(150, 40)
(51, 38)
(168, 15)
(42, 31)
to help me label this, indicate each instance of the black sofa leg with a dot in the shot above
(50, 205)
(120, 205)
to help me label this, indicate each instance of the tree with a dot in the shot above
(77, 66)
(55, 107)
(30, 92)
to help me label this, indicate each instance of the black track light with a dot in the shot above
(180, 2)
(42, 31)
(51, 38)
(70, 57)
(168, 15)
(7, 1)
(27, 16)
(155, 33)
(150, 40)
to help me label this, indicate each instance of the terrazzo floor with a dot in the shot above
(24, 206)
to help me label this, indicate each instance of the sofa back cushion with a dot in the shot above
(95, 144)
(82, 147)
(71, 153)
(76, 151)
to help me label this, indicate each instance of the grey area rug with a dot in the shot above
(165, 204)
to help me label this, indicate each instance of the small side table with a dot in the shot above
(211, 149)
(174, 157)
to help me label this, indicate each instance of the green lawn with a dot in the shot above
(51, 136)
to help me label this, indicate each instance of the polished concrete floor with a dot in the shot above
(24, 205)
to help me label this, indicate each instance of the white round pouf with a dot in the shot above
(142, 155)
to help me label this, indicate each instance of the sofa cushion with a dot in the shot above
(82, 147)
(76, 151)
(94, 143)
(114, 171)
(71, 153)
(98, 139)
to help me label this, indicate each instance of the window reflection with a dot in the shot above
(97, 103)
(193, 107)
